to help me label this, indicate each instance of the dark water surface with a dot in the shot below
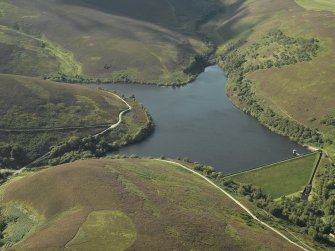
(199, 122)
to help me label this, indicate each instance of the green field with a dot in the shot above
(133, 204)
(280, 179)
(103, 230)
(325, 5)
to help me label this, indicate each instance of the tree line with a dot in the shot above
(238, 63)
(314, 217)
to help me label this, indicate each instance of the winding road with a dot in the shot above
(11, 130)
(120, 117)
(306, 248)
(121, 114)
(46, 155)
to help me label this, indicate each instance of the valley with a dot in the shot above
(202, 108)
(167, 125)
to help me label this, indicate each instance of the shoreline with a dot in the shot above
(238, 110)
(192, 71)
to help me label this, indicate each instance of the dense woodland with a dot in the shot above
(11, 156)
(3, 226)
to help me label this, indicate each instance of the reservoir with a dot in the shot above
(199, 122)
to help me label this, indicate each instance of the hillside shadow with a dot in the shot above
(234, 14)
(173, 15)
(176, 15)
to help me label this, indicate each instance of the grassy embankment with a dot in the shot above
(138, 204)
(152, 42)
(29, 103)
(280, 179)
(259, 189)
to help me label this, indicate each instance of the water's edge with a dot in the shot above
(201, 123)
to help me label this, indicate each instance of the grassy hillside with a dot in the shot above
(37, 114)
(138, 41)
(295, 83)
(30, 55)
(289, 92)
(280, 179)
(176, 15)
(320, 5)
(33, 103)
(133, 204)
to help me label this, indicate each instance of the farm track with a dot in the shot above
(120, 117)
(46, 155)
(306, 248)
(29, 130)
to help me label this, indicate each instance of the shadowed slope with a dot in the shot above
(105, 44)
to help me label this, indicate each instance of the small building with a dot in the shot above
(295, 152)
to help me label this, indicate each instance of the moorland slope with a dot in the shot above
(279, 56)
(138, 41)
(136, 204)
(37, 114)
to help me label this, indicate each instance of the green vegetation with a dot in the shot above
(103, 230)
(33, 55)
(276, 50)
(311, 220)
(290, 75)
(325, 5)
(291, 96)
(314, 217)
(3, 226)
(280, 179)
(28, 104)
(329, 120)
(282, 77)
(121, 233)
(17, 222)
(159, 205)
(152, 42)
(4, 174)
(136, 126)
